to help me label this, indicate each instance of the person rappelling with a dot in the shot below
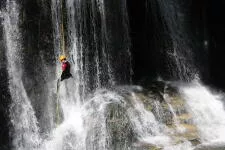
(65, 64)
(65, 68)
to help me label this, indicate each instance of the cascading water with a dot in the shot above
(208, 112)
(26, 131)
(95, 113)
(170, 14)
(93, 43)
(90, 72)
(145, 124)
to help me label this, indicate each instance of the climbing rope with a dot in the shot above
(62, 31)
(57, 103)
(62, 43)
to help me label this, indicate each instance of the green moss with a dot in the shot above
(149, 108)
(165, 106)
(177, 100)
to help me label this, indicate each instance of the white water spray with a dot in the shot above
(84, 121)
(26, 131)
(208, 112)
(145, 124)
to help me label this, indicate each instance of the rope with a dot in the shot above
(62, 43)
(57, 103)
(62, 31)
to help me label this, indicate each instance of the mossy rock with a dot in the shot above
(154, 101)
(211, 147)
(149, 108)
(185, 118)
(190, 133)
(146, 146)
(119, 126)
(146, 101)
(177, 103)
(155, 148)
(172, 91)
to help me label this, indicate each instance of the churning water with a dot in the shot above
(208, 112)
(96, 121)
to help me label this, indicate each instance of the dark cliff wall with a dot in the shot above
(5, 138)
(152, 40)
(38, 54)
(38, 61)
(216, 26)
(206, 35)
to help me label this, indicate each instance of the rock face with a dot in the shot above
(167, 106)
(5, 138)
(119, 127)
(221, 147)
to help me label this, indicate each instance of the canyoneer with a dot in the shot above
(65, 75)
(65, 68)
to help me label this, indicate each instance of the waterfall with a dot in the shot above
(96, 109)
(208, 112)
(25, 125)
(176, 47)
(91, 47)
(93, 44)
(147, 127)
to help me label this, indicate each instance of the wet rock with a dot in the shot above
(145, 146)
(212, 147)
(5, 98)
(168, 106)
(186, 132)
(185, 118)
(195, 141)
(119, 127)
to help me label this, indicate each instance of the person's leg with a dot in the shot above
(63, 76)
